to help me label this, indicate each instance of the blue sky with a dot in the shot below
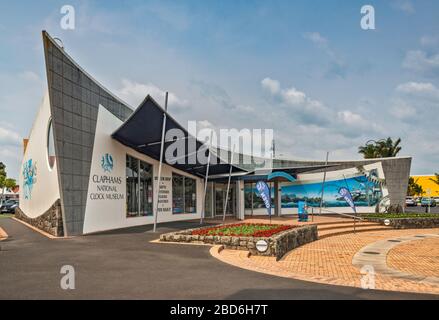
(305, 69)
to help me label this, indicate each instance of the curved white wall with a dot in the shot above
(45, 190)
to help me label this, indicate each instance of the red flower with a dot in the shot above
(243, 229)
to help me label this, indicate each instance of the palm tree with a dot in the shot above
(436, 178)
(388, 148)
(384, 148)
(414, 189)
(369, 151)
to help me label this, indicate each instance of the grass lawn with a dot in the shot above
(400, 215)
(6, 215)
(243, 230)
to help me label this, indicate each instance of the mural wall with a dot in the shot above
(366, 184)
(365, 193)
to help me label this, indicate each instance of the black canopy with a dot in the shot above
(142, 131)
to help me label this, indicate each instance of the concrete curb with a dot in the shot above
(47, 235)
(3, 234)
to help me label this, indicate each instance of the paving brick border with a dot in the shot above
(278, 244)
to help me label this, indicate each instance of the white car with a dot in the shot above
(410, 202)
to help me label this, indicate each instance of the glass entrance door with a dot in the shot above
(220, 198)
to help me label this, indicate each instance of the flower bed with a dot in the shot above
(243, 230)
(244, 236)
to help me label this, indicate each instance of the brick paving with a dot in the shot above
(420, 257)
(330, 261)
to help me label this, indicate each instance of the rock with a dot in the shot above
(226, 240)
(235, 241)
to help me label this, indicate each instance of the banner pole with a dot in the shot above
(203, 211)
(228, 184)
(323, 184)
(270, 203)
(355, 210)
(160, 164)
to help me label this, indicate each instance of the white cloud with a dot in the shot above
(316, 38)
(403, 111)
(419, 89)
(30, 76)
(9, 137)
(294, 96)
(134, 93)
(296, 101)
(420, 61)
(350, 117)
(429, 41)
(337, 66)
(404, 5)
(245, 108)
(271, 85)
(315, 115)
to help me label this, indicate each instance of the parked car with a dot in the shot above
(410, 202)
(436, 199)
(428, 202)
(9, 206)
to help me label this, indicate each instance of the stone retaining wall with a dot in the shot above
(50, 221)
(409, 223)
(278, 244)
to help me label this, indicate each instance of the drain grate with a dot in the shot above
(371, 252)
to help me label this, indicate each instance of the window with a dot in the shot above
(145, 178)
(184, 194)
(50, 146)
(139, 188)
(190, 195)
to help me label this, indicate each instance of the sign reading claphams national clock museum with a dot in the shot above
(106, 186)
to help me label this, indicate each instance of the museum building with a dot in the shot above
(91, 163)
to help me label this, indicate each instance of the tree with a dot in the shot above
(388, 148)
(5, 182)
(384, 148)
(414, 189)
(369, 151)
(436, 178)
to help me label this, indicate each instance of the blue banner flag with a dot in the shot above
(264, 193)
(345, 193)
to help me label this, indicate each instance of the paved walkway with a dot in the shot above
(376, 256)
(124, 264)
(420, 257)
(330, 261)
